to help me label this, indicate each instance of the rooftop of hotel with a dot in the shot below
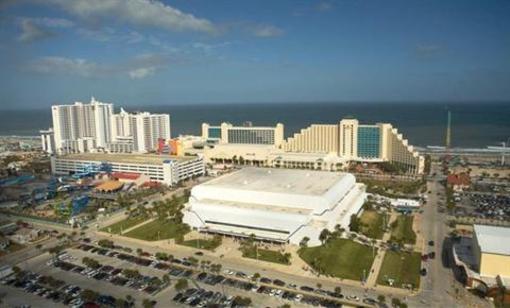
(303, 182)
(149, 159)
(491, 239)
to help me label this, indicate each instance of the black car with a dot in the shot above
(177, 297)
(423, 272)
(306, 289)
(431, 243)
(432, 255)
(265, 280)
(279, 282)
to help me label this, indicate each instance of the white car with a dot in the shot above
(298, 298)
(353, 298)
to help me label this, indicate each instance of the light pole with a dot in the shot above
(504, 151)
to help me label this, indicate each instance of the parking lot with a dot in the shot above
(483, 205)
(205, 287)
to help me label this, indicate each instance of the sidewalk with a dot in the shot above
(381, 252)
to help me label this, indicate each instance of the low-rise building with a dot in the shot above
(459, 182)
(279, 205)
(160, 168)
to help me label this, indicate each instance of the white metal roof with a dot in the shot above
(493, 239)
(303, 182)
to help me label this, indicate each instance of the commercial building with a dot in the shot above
(491, 250)
(160, 168)
(347, 140)
(279, 205)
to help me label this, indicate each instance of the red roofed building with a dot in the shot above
(130, 177)
(459, 181)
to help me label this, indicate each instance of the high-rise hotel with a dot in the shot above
(81, 128)
(319, 146)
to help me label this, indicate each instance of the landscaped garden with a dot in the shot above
(402, 230)
(340, 258)
(400, 269)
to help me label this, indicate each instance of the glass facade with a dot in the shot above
(368, 141)
(214, 133)
(251, 136)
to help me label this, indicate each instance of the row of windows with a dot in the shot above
(251, 136)
(368, 142)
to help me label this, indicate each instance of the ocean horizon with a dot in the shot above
(474, 125)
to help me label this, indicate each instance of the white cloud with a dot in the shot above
(151, 13)
(56, 65)
(324, 6)
(267, 31)
(33, 29)
(135, 68)
(31, 32)
(142, 72)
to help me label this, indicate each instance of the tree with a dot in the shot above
(304, 242)
(89, 262)
(89, 295)
(242, 301)
(166, 279)
(255, 276)
(381, 298)
(120, 303)
(147, 303)
(323, 237)
(105, 243)
(181, 284)
(355, 223)
(395, 302)
(338, 290)
(161, 256)
(286, 257)
(319, 285)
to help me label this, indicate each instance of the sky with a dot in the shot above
(141, 52)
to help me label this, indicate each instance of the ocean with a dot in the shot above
(474, 125)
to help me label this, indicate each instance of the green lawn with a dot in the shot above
(125, 224)
(340, 258)
(402, 230)
(202, 244)
(372, 224)
(264, 255)
(158, 229)
(403, 267)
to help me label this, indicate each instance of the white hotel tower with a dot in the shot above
(80, 128)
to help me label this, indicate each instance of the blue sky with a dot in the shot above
(140, 52)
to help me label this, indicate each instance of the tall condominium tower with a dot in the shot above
(147, 128)
(74, 123)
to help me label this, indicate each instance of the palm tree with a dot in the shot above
(323, 237)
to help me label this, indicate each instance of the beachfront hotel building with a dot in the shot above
(226, 133)
(279, 205)
(72, 124)
(93, 127)
(320, 146)
(169, 170)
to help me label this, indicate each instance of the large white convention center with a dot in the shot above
(275, 204)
